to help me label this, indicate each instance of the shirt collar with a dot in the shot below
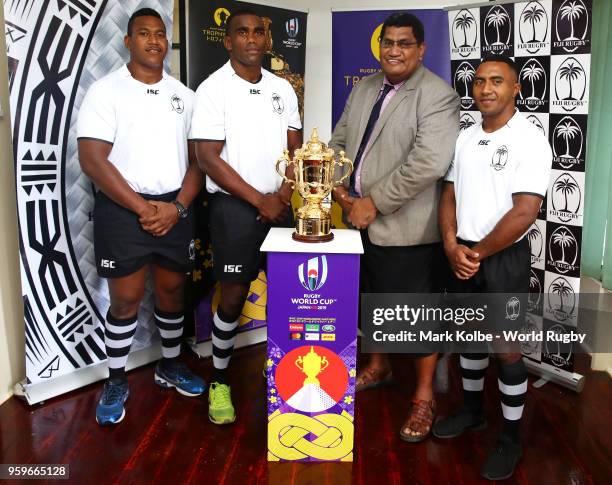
(396, 87)
(126, 72)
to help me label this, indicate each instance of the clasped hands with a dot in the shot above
(274, 207)
(463, 261)
(360, 212)
(158, 217)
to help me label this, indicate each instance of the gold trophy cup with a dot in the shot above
(314, 166)
(312, 364)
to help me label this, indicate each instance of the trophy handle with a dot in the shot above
(299, 363)
(324, 363)
(285, 158)
(341, 161)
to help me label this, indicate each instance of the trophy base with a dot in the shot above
(313, 230)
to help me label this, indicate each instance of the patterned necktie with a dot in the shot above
(368, 131)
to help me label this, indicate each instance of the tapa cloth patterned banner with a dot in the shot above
(56, 50)
(550, 40)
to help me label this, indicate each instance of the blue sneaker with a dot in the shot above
(110, 409)
(180, 377)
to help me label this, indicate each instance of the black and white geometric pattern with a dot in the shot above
(550, 40)
(56, 49)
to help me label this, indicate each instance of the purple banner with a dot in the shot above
(355, 51)
(311, 366)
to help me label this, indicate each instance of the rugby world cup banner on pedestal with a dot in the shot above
(550, 40)
(356, 51)
(56, 50)
(202, 36)
(311, 364)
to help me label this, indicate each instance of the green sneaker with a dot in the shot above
(220, 407)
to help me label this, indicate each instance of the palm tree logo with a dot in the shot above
(567, 185)
(561, 298)
(513, 308)
(571, 71)
(564, 239)
(536, 121)
(568, 131)
(500, 158)
(534, 13)
(571, 10)
(465, 74)
(536, 242)
(535, 292)
(533, 71)
(497, 17)
(558, 353)
(464, 20)
(466, 121)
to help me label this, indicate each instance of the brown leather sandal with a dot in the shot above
(371, 378)
(419, 421)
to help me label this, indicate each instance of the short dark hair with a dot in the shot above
(402, 19)
(238, 13)
(143, 12)
(501, 58)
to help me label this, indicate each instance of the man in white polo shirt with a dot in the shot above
(132, 133)
(494, 189)
(244, 117)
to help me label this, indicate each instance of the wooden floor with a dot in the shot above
(167, 438)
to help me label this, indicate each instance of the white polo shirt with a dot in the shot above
(489, 168)
(252, 118)
(147, 124)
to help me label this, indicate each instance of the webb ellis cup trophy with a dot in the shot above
(314, 166)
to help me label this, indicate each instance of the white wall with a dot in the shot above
(12, 360)
(317, 110)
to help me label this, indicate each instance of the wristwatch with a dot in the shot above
(182, 211)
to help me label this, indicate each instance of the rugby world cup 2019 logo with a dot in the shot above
(292, 27)
(313, 274)
(533, 28)
(571, 27)
(464, 34)
(497, 31)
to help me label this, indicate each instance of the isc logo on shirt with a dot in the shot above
(152, 91)
(107, 263)
(232, 268)
(255, 91)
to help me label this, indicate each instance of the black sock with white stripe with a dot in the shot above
(118, 336)
(223, 339)
(473, 369)
(170, 325)
(513, 388)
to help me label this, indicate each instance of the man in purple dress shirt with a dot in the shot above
(400, 127)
